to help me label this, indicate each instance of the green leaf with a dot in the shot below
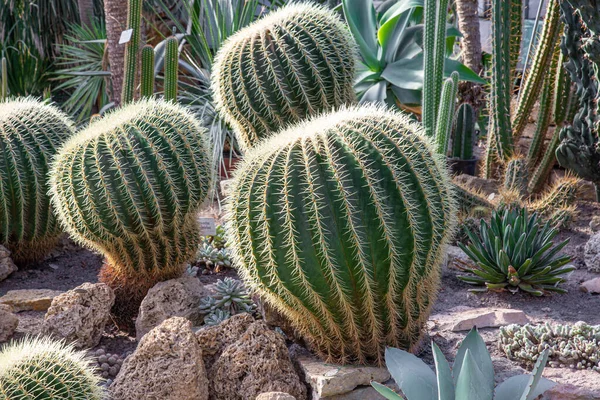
(405, 73)
(386, 391)
(471, 383)
(416, 380)
(361, 18)
(464, 73)
(444, 375)
(514, 387)
(476, 346)
(536, 375)
(375, 94)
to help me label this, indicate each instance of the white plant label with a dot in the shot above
(207, 226)
(125, 36)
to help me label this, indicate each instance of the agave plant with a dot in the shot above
(390, 68)
(471, 376)
(515, 251)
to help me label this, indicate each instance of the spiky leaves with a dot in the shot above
(515, 251)
(30, 134)
(171, 68)
(293, 63)
(42, 368)
(128, 186)
(340, 223)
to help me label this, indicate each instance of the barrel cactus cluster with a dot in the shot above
(41, 368)
(291, 64)
(31, 132)
(129, 186)
(340, 222)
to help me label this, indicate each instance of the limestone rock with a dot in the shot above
(173, 298)
(329, 380)
(591, 286)
(7, 266)
(8, 322)
(569, 392)
(80, 315)
(595, 223)
(275, 396)
(463, 318)
(29, 299)
(213, 339)
(167, 365)
(256, 363)
(592, 253)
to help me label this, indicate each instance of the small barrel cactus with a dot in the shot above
(42, 368)
(340, 223)
(31, 132)
(129, 187)
(293, 63)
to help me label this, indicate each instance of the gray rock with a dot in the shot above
(591, 286)
(80, 315)
(569, 392)
(167, 365)
(464, 318)
(592, 253)
(7, 266)
(275, 396)
(29, 299)
(173, 298)
(8, 323)
(595, 223)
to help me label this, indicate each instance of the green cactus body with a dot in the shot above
(147, 86)
(541, 172)
(340, 223)
(562, 194)
(501, 85)
(562, 92)
(464, 133)
(171, 68)
(515, 176)
(446, 113)
(44, 369)
(134, 20)
(293, 63)
(539, 67)
(4, 81)
(30, 134)
(516, 35)
(470, 199)
(129, 186)
(434, 42)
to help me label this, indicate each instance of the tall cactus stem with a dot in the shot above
(516, 175)
(464, 133)
(535, 75)
(147, 85)
(171, 68)
(516, 35)
(134, 20)
(434, 42)
(4, 77)
(542, 170)
(562, 92)
(446, 113)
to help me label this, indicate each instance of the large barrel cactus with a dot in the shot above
(340, 223)
(129, 187)
(42, 368)
(293, 63)
(30, 134)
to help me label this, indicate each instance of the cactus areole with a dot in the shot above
(340, 223)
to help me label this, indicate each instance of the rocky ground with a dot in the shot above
(454, 312)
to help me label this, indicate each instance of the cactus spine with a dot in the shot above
(293, 63)
(562, 194)
(433, 54)
(134, 20)
(30, 134)
(42, 368)
(539, 67)
(516, 35)
(340, 223)
(515, 176)
(147, 86)
(129, 186)
(4, 76)
(464, 133)
(446, 113)
(171, 68)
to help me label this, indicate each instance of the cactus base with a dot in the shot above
(26, 253)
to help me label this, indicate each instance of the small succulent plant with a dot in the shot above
(573, 346)
(515, 252)
(231, 298)
(471, 376)
(219, 239)
(42, 368)
(213, 257)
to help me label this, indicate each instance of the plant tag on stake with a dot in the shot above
(125, 36)
(207, 226)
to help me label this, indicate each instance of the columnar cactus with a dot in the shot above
(147, 86)
(134, 20)
(291, 64)
(515, 176)
(129, 187)
(464, 133)
(3, 79)
(340, 223)
(42, 368)
(30, 134)
(171, 68)
(446, 113)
